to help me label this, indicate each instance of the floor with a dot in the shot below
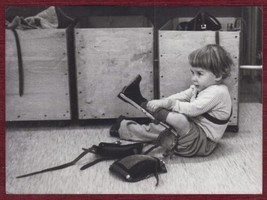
(234, 168)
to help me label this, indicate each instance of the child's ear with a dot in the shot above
(218, 78)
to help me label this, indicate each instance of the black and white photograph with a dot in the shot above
(133, 99)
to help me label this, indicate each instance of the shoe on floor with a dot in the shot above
(114, 130)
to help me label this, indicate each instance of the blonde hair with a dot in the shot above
(214, 58)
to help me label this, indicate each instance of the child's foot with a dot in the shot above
(114, 130)
(132, 92)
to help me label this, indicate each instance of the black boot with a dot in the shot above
(132, 92)
(115, 127)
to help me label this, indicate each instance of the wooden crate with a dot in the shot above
(174, 48)
(110, 52)
(45, 74)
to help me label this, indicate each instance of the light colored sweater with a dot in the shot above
(215, 100)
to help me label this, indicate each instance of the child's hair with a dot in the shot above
(214, 58)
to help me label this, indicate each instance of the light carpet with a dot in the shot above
(234, 168)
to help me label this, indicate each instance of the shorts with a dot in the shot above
(194, 143)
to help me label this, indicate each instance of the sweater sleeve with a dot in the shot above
(183, 96)
(205, 101)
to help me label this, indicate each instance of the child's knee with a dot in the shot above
(176, 118)
(178, 121)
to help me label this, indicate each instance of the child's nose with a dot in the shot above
(194, 78)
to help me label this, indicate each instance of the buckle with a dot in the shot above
(203, 26)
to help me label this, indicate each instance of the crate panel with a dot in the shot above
(107, 59)
(45, 74)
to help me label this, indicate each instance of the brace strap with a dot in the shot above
(59, 166)
(90, 164)
(20, 63)
(215, 120)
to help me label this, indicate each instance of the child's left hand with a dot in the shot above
(153, 105)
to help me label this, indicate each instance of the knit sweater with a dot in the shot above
(215, 100)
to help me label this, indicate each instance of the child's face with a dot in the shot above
(203, 78)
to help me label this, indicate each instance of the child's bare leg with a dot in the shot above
(179, 122)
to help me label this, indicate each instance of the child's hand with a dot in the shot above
(153, 105)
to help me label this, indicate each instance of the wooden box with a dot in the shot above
(174, 48)
(45, 76)
(110, 52)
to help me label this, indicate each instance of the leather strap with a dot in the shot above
(20, 63)
(215, 120)
(90, 164)
(203, 26)
(217, 37)
(60, 166)
(151, 149)
(94, 149)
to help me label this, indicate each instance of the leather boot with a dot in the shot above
(132, 91)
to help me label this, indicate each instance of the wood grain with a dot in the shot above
(46, 82)
(107, 59)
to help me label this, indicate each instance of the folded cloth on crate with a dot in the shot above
(50, 18)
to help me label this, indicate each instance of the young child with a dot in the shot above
(199, 114)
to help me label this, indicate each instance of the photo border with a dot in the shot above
(5, 196)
